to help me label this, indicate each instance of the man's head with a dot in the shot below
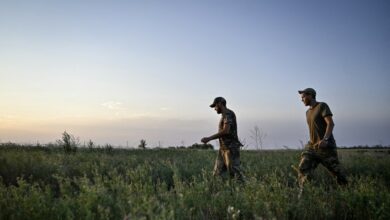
(218, 104)
(308, 95)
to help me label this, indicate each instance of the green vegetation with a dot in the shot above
(108, 183)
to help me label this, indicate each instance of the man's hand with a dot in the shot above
(323, 144)
(205, 140)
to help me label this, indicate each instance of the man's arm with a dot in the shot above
(225, 130)
(328, 131)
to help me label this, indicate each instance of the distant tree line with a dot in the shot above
(202, 146)
(69, 143)
(378, 146)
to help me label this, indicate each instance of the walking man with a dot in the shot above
(228, 159)
(322, 145)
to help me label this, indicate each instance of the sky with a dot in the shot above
(118, 71)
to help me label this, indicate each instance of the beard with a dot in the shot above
(306, 102)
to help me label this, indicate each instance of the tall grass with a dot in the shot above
(46, 183)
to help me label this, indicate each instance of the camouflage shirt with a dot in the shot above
(316, 122)
(230, 140)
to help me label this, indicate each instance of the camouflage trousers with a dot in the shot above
(310, 159)
(228, 161)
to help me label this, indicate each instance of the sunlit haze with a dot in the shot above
(116, 72)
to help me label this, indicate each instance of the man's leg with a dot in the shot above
(331, 162)
(219, 166)
(234, 164)
(306, 166)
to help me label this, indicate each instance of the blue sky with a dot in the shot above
(119, 71)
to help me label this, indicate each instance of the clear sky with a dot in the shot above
(120, 71)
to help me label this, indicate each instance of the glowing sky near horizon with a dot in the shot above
(119, 71)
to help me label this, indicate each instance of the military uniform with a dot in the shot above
(228, 158)
(313, 154)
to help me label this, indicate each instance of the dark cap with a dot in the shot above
(218, 100)
(309, 91)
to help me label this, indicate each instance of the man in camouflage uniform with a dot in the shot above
(228, 159)
(322, 145)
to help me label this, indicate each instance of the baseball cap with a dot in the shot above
(218, 100)
(310, 91)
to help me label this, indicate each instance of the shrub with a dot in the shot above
(69, 142)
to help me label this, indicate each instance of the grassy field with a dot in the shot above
(47, 183)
